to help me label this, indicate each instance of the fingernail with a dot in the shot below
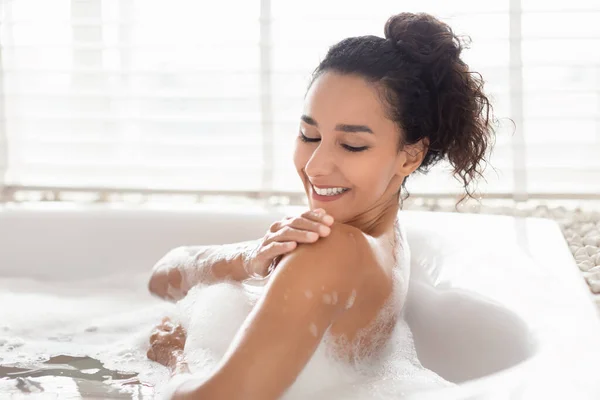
(319, 212)
(325, 230)
(312, 235)
(328, 219)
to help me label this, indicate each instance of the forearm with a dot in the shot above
(187, 266)
(212, 264)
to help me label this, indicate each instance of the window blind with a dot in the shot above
(206, 96)
(134, 94)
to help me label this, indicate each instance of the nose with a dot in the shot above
(320, 163)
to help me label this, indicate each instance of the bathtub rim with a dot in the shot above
(509, 376)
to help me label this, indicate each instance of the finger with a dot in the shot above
(289, 234)
(275, 226)
(180, 329)
(318, 215)
(305, 224)
(150, 354)
(166, 328)
(154, 337)
(275, 249)
(315, 214)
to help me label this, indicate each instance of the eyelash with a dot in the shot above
(349, 148)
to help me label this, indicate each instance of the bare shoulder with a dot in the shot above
(341, 251)
(335, 265)
(307, 293)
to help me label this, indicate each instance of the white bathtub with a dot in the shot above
(496, 303)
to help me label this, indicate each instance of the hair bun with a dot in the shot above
(422, 37)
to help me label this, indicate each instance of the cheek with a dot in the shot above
(373, 175)
(301, 156)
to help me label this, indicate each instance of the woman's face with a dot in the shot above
(347, 142)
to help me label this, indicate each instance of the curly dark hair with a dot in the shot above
(428, 90)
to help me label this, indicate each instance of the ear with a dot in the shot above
(412, 156)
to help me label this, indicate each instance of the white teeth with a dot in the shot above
(329, 191)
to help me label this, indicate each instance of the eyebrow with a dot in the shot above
(339, 127)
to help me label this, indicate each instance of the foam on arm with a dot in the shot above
(285, 327)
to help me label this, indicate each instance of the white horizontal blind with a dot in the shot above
(561, 95)
(207, 95)
(133, 93)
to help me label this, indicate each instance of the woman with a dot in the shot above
(377, 110)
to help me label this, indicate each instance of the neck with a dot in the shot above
(378, 220)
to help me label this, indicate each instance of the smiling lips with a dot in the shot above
(327, 193)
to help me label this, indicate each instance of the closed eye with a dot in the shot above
(307, 139)
(355, 149)
(352, 149)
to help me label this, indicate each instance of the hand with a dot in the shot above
(166, 343)
(283, 237)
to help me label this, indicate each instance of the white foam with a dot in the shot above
(351, 299)
(313, 329)
(111, 322)
(393, 372)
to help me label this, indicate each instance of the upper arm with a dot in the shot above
(306, 293)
